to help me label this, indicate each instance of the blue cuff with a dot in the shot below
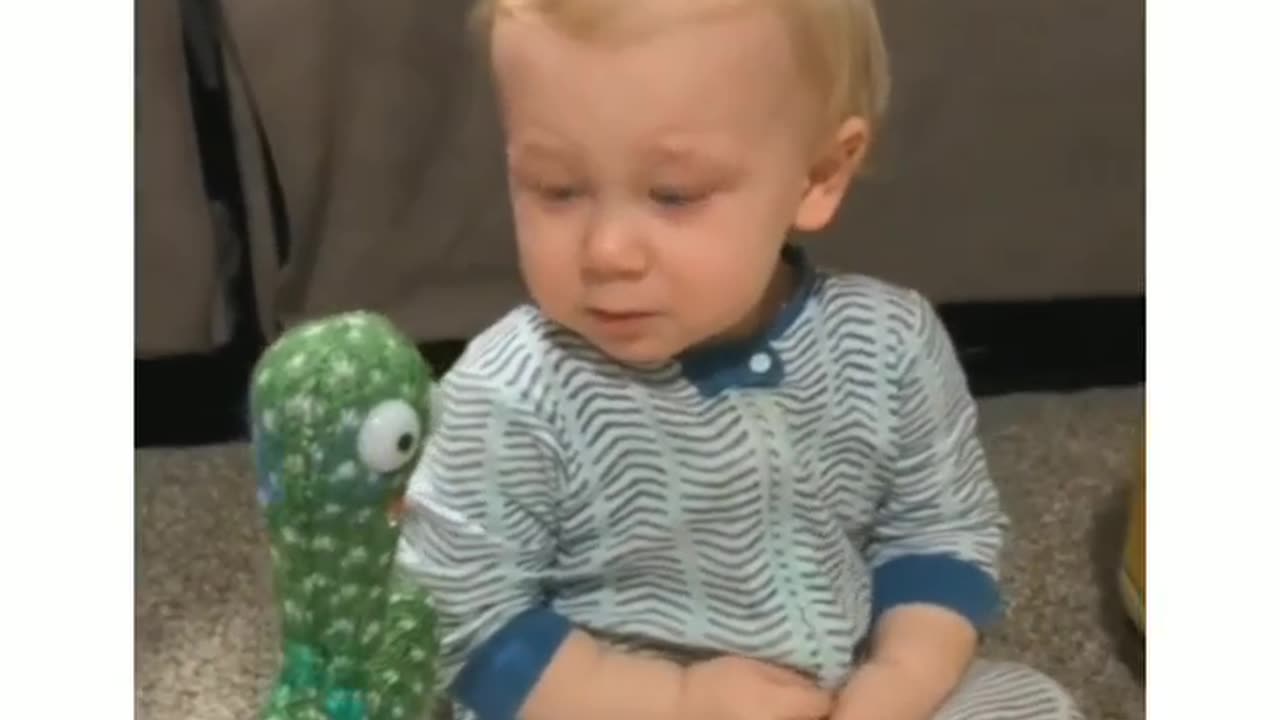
(500, 674)
(936, 580)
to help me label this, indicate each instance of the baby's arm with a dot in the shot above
(479, 536)
(935, 548)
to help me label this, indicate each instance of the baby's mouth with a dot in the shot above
(619, 315)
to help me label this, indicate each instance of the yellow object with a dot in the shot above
(1133, 571)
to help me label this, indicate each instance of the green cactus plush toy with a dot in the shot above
(340, 409)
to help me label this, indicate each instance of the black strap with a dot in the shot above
(203, 33)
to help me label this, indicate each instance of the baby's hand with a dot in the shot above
(736, 688)
(883, 691)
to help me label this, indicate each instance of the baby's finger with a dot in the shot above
(781, 676)
(800, 703)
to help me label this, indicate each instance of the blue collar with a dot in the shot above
(753, 362)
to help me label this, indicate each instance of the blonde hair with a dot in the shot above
(839, 42)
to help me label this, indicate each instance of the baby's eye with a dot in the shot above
(559, 193)
(672, 198)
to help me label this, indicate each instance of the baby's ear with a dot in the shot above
(834, 166)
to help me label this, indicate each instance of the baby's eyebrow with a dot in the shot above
(538, 158)
(689, 154)
(534, 150)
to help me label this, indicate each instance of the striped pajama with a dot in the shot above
(767, 501)
(1008, 691)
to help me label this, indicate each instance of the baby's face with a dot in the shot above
(654, 181)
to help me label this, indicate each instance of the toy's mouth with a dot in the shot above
(395, 509)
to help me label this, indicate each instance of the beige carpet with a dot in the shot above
(206, 643)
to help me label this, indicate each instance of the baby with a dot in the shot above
(698, 478)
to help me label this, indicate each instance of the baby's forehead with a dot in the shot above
(722, 74)
(618, 20)
(833, 49)
(748, 33)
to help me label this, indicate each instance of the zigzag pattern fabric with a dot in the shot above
(666, 518)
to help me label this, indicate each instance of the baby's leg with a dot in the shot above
(1008, 691)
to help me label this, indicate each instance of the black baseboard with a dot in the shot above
(1053, 346)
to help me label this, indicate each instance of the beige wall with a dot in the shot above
(1012, 167)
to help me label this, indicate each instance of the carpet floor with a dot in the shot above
(206, 643)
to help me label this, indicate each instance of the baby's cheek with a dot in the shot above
(553, 298)
(549, 277)
(719, 296)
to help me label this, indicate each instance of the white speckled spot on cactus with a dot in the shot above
(297, 362)
(346, 471)
(269, 420)
(343, 368)
(301, 407)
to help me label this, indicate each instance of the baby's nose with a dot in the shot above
(614, 248)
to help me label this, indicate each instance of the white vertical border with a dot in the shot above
(1213, 358)
(1214, 402)
(66, 297)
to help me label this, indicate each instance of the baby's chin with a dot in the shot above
(640, 354)
(646, 352)
(654, 348)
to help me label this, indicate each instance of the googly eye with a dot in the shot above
(389, 436)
